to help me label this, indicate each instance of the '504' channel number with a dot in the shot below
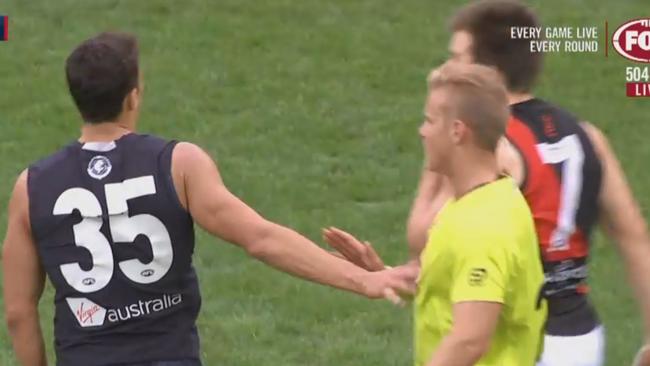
(637, 73)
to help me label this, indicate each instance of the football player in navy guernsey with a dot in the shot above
(110, 220)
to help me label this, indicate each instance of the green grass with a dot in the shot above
(311, 108)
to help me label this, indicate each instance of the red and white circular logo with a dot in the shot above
(632, 40)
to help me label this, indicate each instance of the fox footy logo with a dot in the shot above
(632, 40)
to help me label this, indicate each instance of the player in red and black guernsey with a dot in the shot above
(109, 219)
(570, 178)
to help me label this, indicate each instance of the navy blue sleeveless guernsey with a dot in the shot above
(117, 246)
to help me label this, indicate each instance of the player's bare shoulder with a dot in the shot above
(192, 167)
(18, 205)
(510, 160)
(183, 158)
(187, 156)
(183, 155)
(597, 138)
(21, 182)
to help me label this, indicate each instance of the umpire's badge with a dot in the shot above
(477, 276)
(99, 167)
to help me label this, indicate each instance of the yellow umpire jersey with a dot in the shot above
(483, 247)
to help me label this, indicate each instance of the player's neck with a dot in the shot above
(514, 98)
(101, 132)
(473, 172)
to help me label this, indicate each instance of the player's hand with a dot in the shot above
(643, 357)
(360, 253)
(395, 285)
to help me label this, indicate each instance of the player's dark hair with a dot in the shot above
(101, 72)
(489, 23)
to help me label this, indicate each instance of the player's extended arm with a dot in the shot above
(222, 214)
(470, 335)
(623, 222)
(433, 192)
(23, 281)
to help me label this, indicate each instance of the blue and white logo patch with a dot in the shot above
(99, 167)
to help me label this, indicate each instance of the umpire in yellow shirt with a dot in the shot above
(478, 300)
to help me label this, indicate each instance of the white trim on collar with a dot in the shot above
(99, 146)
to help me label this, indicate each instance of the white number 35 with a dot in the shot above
(123, 229)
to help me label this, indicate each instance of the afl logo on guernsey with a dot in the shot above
(147, 273)
(88, 281)
(477, 276)
(632, 40)
(99, 167)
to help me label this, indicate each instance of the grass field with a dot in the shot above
(311, 108)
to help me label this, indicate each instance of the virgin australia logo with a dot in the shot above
(99, 167)
(88, 313)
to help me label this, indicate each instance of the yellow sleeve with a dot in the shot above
(481, 271)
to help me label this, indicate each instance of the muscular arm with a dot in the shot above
(23, 281)
(623, 222)
(433, 192)
(219, 212)
(469, 338)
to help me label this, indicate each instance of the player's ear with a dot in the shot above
(132, 100)
(458, 131)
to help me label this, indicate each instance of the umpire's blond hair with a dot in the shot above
(476, 95)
